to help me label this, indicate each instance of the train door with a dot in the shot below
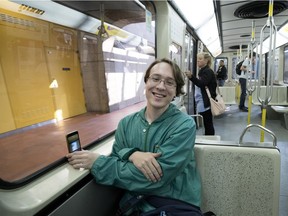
(189, 65)
(63, 66)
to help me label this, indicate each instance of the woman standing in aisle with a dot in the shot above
(206, 77)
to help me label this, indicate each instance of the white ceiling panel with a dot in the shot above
(233, 27)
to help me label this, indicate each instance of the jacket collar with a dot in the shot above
(170, 111)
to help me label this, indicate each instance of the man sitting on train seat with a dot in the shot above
(243, 81)
(153, 151)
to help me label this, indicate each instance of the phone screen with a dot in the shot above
(73, 141)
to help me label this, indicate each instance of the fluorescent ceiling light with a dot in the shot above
(215, 48)
(281, 39)
(284, 30)
(202, 18)
(196, 12)
(208, 32)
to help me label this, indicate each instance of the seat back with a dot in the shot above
(239, 180)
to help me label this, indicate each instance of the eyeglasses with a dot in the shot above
(156, 80)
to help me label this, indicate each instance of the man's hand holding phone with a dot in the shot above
(73, 141)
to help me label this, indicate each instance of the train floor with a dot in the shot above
(230, 126)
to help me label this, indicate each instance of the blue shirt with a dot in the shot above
(199, 100)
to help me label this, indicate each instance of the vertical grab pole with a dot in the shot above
(238, 88)
(251, 88)
(270, 73)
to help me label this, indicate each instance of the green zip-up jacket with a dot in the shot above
(172, 134)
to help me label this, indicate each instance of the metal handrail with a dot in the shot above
(202, 121)
(261, 127)
(271, 56)
(251, 88)
(270, 73)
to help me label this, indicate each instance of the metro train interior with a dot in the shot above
(79, 66)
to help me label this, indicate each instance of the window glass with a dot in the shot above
(285, 74)
(217, 60)
(189, 64)
(54, 66)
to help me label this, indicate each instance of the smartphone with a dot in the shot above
(73, 141)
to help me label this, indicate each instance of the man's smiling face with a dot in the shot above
(160, 86)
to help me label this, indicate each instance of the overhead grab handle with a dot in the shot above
(270, 70)
(251, 88)
(271, 58)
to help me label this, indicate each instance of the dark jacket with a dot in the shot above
(222, 73)
(206, 78)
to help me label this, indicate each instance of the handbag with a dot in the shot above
(217, 106)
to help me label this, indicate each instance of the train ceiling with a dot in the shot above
(235, 18)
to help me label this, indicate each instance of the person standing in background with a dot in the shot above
(243, 81)
(206, 77)
(221, 73)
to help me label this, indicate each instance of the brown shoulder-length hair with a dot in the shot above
(177, 73)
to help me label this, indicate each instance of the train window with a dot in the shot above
(175, 53)
(234, 63)
(217, 60)
(50, 71)
(188, 50)
(285, 74)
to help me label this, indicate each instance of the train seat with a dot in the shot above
(236, 181)
(282, 110)
(204, 138)
(239, 180)
(229, 94)
(279, 95)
